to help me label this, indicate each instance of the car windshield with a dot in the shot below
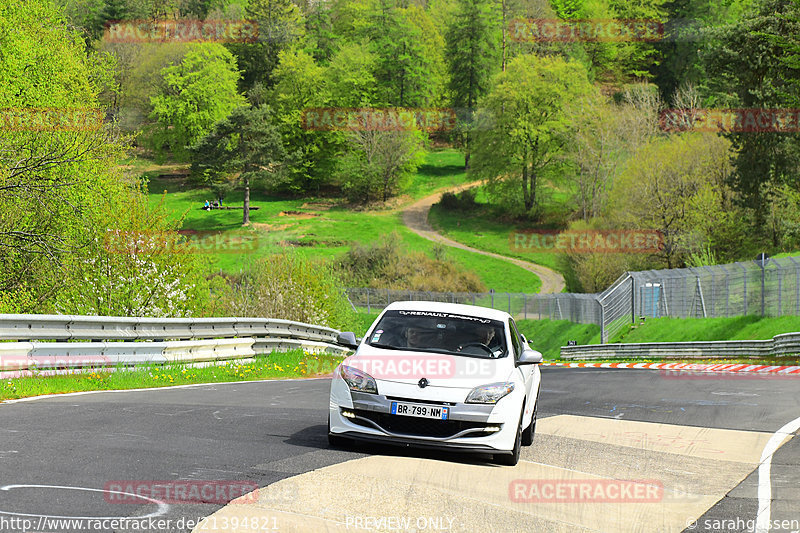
(440, 332)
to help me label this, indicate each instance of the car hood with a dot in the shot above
(403, 367)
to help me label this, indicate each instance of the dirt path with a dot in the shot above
(415, 217)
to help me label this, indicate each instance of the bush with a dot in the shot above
(289, 287)
(463, 201)
(386, 266)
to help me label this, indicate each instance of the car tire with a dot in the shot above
(511, 459)
(530, 431)
(335, 440)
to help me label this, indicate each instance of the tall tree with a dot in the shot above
(471, 57)
(749, 69)
(403, 69)
(198, 92)
(523, 127)
(241, 148)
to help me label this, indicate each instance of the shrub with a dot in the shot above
(386, 265)
(289, 287)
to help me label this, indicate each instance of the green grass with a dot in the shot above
(362, 322)
(442, 168)
(291, 364)
(322, 228)
(710, 329)
(482, 230)
(548, 336)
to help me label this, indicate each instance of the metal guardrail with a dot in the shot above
(779, 346)
(100, 341)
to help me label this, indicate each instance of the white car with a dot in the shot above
(447, 376)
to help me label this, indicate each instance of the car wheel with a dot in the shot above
(335, 440)
(513, 458)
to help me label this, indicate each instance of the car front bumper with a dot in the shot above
(469, 428)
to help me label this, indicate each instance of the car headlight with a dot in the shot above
(358, 380)
(489, 393)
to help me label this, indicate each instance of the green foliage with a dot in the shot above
(350, 77)
(290, 287)
(523, 127)
(245, 147)
(300, 85)
(385, 265)
(61, 192)
(280, 23)
(548, 336)
(378, 163)
(749, 63)
(663, 188)
(462, 201)
(404, 66)
(198, 92)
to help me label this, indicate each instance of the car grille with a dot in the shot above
(422, 427)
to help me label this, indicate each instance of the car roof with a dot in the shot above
(440, 307)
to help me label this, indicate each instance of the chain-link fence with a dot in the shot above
(768, 288)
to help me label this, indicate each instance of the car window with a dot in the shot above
(440, 332)
(516, 342)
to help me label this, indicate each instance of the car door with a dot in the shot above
(529, 372)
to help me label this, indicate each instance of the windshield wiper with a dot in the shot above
(386, 346)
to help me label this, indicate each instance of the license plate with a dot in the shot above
(418, 410)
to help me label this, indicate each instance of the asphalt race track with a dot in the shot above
(615, 450)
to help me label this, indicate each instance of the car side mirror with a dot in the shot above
(347, 338)
(529, 357)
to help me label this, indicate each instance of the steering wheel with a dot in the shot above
(480, 345)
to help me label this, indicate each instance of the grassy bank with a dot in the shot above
(710, 329)
(320, 228)
(278, 365)
(483, 230)
(548, 336)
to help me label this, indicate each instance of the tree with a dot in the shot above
(749, 63)
(61, 187)
(241, 148)
(378, 162)
(471, 57)
(523, 127)
(198, 92)
(670, 185)
(605, 135)
(350, 79)
(403, 69)
(300, 86)
(280, 23)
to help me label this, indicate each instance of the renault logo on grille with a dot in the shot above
(422, 383)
